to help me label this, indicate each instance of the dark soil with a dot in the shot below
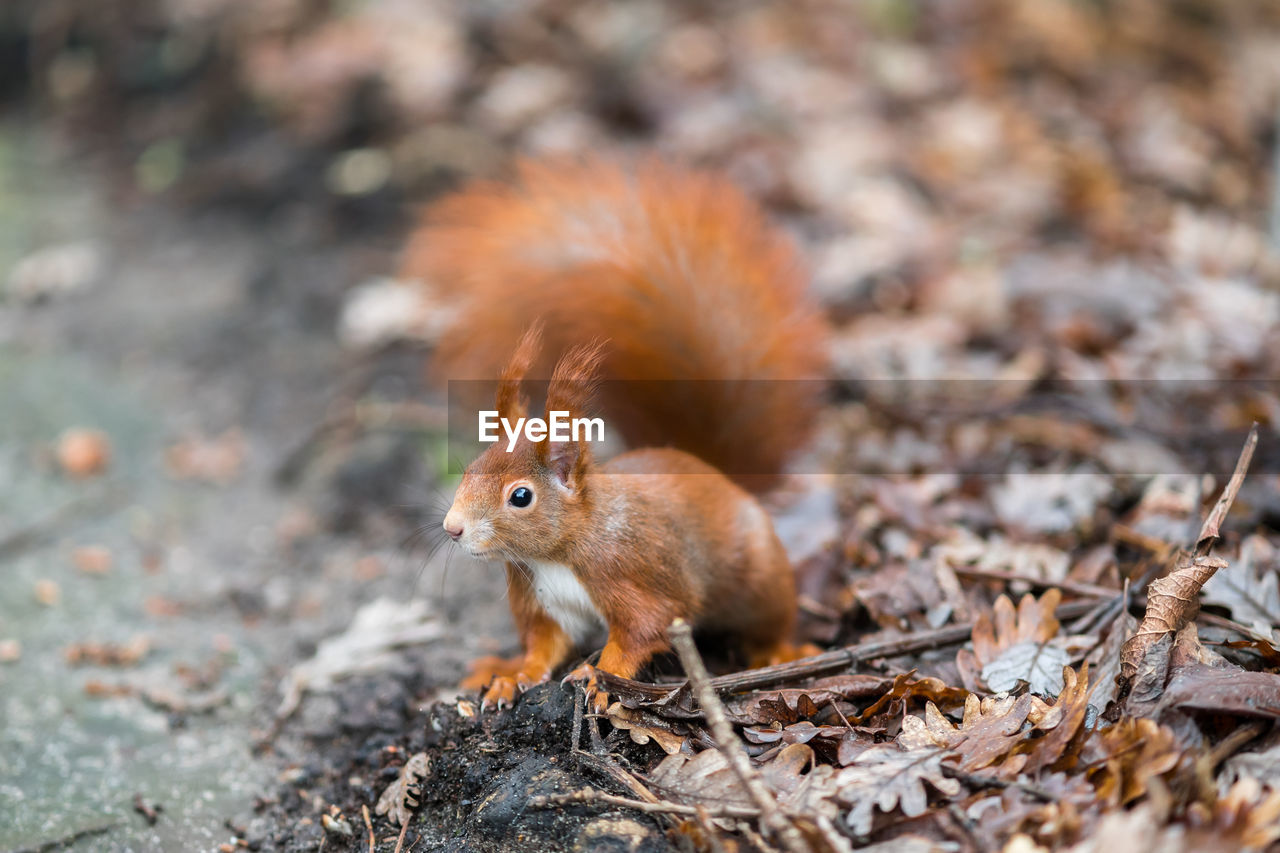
(485, 770)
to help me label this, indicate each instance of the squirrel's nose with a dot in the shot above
(453, 526)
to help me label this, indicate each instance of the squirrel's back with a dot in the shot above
(703, 302)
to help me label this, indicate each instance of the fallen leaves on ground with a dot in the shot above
(887, 777)
(129, 653)
(1020, 646)
(671, 736)
(401, 797)
(987, 189)
(376, 631)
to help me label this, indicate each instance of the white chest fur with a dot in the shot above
(562, 595)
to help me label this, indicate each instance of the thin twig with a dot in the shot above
(575, 740)
(404, 827)
(830, 661)
(978, 782)
(772, 820)
(1232, 626)
(66, 840)
(709, 831)
(1212, 525)
(368, 824)
(33, 534)
(592, 796)
(606, 766)
(1230, 744)
(1087, 590)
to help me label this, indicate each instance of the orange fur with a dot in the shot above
(651, 536)
(693, 294)
(678, 269)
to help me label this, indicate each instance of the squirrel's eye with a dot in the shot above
(521, 497)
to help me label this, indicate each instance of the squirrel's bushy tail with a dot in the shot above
(703, 302)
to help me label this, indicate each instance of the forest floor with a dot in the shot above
(225, 623)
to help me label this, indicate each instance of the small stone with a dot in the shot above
(83, 452)
(520, 94)
(48, 593)
(360, 171)
(92, 559)
(620, 834)
(55, 271)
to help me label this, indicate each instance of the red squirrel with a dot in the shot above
(655, 274)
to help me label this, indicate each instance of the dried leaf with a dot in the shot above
(210, 460)
(1037, 665)
(377, 629)
(1135, 831)
(1244, 814)
(1250, 586)
(991, 728)
(790, 705)
(1015, 809)
(1105, 660)
(906, 687)
(401, 797)
(1262, 765)
(888, 777)
(108, 654)
(644, 727)
(185, 701)
(1172, 602)
(1062, 721)
(1020, 646)
(785, 705)
(801, 732)
(1128, 756)
(707, 779)
(1223, 690)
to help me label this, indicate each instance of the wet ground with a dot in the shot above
(202, 347)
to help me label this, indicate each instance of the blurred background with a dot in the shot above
(217, 441)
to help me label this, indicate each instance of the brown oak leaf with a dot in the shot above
(672, 736)
(990, 729)
(888, 777)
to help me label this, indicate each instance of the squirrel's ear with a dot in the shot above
(510, 402)
(572, 388)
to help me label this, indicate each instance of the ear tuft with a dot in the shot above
(510, 402)
(572, 388)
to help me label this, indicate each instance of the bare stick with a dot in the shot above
(404, 827)
(831, 661)
(709, 831)
(1212, 524)
(1088, 590)
(771, 819)
(607, 766)
(591, 795)
(1228, 746)
(368, 824)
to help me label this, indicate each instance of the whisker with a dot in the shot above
(439, 540)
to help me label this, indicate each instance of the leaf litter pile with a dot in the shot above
(1078, 704)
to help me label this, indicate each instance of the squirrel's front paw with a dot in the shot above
(597, 699)
(501, 692)
(486, 669)
(504, 689)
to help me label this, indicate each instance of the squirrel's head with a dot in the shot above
(518, 503)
